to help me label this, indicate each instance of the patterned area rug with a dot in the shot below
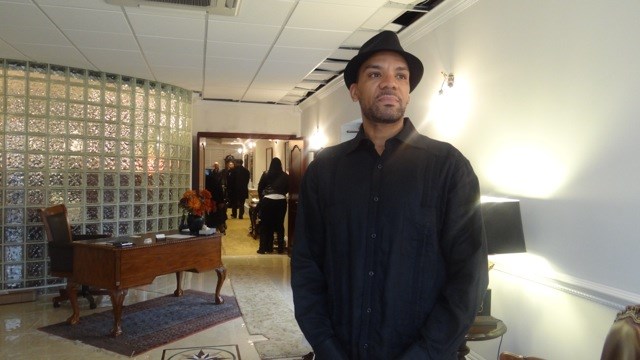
(149, 324)
(267, 312)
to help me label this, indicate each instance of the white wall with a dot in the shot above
(544, 107)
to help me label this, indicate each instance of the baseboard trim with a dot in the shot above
(12, 297)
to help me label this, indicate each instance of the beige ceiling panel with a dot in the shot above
(223, 92)
(307, 56)
(382, 18)
(59, 55)
(264, 95)
(281, 74)
(129, 63)
(174, 59)
(230, 72)
(96, 5)
(8, 52)
(168, 26)
(237, 51)
(173, 46)
(33, 35)
(310, 38)
(189, 78)
(86, 19)
(242, 33)
(261, 12)
(365, 3)
(28, 15)
(102, 40)
(329, 16)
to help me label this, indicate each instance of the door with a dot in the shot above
(296, 169)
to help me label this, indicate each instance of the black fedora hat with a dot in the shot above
(384, 41)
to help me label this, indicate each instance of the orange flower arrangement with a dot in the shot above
(198, 203)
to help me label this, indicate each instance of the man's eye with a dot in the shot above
(402, 76)
(374, 75)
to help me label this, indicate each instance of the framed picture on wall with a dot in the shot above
(269, 152)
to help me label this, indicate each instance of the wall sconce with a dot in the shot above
(317, 140)
(448, 79)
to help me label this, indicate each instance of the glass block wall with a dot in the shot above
(116, 150)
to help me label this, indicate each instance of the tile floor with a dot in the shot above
(20, 339)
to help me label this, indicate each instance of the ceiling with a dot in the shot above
(270, 51)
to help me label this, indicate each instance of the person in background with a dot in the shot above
(239, 188)
(272, 190)
(389, 261)
(226, 174)
(213, 183)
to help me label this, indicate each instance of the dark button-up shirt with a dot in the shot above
(389, 260)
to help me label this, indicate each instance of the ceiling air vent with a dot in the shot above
(213, 7)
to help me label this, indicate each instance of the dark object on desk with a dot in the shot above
(56, 224)
(120, 244)
(623, 339)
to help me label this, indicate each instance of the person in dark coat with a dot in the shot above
(238, 183)
(272, 190)
(213, 183)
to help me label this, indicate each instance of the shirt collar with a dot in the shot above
(408, 135)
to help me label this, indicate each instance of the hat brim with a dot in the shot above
(416, 69)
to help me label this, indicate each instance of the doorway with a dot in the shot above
(256, 151)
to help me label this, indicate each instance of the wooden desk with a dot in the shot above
(483, 328)
(105, 266)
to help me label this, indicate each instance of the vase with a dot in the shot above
(195, 224)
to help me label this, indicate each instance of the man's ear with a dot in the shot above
(353, 90)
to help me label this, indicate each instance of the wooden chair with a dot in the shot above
(56, 223)
(623, 339)
(505, 355)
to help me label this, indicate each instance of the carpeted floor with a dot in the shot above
(237, 241)
(149, 324)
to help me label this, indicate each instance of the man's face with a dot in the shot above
(382, 88)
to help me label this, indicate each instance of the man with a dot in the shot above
(239, 188)
(389, 260)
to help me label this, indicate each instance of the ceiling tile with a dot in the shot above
(129, 63)
(242, 33)
(281, 74)
(174, 59)
(264, 95)
(87, 19)
(168, 26)
(262, 12)
(236, 51)
(295, 54)
(58, 55)
(365, 3)
(98, 5)
(310, 38)
(8, 52)
(174, 46)
(185, 77)
(223, 92)
(14, 14)
(329, 17)
(33, 35)
(102, 40)
(381, 18)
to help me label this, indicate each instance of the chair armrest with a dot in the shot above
(77, 237)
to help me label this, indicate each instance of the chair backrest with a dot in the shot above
(56, 224)
(623, 339)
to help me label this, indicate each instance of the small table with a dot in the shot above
(483, 328)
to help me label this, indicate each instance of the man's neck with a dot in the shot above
(379, 133)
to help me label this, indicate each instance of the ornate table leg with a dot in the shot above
(117, 299)
(178, 291)
(222, 275)
(72, 293)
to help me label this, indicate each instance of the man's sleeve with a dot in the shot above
(465, 253)
(307, 277)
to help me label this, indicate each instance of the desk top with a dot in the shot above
(148, 239)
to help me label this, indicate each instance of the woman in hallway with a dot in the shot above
(272, 190)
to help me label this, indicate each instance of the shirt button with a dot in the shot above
(375, 198)
(379, 166)
(373, 236)
(365, 346)
(368, 310)
(370, 273)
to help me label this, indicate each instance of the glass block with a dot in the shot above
(35, 197)
(94, 146)
(161, 210)
(125, 164)
(57, 127)
(16, 105)
(93, 196)
(125, 131)
(37, 107)
(58, 90)
(93, 179)
(56, 179)
(92, 229)
(109, 212)
(37, 143)
(125, 180)
(15, 179)
(110, 114)
(109, 179)
(125, 117)
(109, 196)
(125, 148)
(35, 233)
(76, 111)
(36, 179)
(75, 162)
(13, 272)
(36, 125)
(37, 89)
(138, 179)
(13, 234)
(16, 123)
(151, 180)
(162, 164)
(14, 216)
(139, 227)
(35, 283)
(92, 213)
(33, 217)
(56, 162)
(139, 134)
(16, 142)
(110, 146)
(94, 129)
(162, 194)
(124, 211)
(15, 197)
(162, 224)
(109, 228)
(75, 179)
(110, 130)
(151, 195)
(13, 253)
(35, 269)
(15, 161)
(75, 196)
(94, 95)
(124, 228)
(35, 251)
(162, 180)
(76, 128)
(57, 144)
(76, 93)
(151, 210)
(139, 164)
(138, 211)
(92, 162)
(171, 224)
(75, 215)
(16, 86)
(137, 195)
(125, 196)
(56, 197)
(151, 225)
(58, 108)
(110, 163)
